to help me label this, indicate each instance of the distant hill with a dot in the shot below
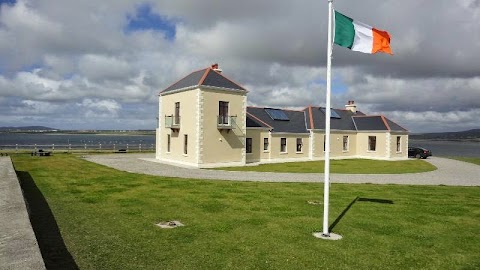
(27, 128)
(473, 134)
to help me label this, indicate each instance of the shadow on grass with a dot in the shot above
(54, 252)
(350, 206)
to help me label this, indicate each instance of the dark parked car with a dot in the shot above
(419, 152)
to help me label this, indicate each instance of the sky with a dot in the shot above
(100, 64)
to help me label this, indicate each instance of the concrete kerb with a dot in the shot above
(450, 172)
(18, 246)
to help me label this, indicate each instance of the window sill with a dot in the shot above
(283, 153)
(299, 152)
(266, 151)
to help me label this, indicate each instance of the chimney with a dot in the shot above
(351, 106)
(216, 68)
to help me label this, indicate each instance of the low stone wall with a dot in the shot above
(18, 245)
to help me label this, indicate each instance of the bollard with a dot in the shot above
(53, 147)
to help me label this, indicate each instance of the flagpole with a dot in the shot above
(326, 186)
(325, 234)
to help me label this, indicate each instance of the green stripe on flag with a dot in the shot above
(344, 30)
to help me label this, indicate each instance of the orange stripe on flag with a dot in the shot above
(381, 41)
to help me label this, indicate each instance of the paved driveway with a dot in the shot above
(449, 172)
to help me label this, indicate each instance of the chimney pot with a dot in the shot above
(216, 68)
(351, 106)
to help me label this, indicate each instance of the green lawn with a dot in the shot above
(474, 160)
(107, 217)
(349, 166)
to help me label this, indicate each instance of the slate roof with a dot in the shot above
(376, 122)
(317, 120)
(204, 77)
(295, 124)
(314, 118)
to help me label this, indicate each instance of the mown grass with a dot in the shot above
(473, 160)
(107, 217)
(346, 166)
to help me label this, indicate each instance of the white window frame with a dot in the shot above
(185, 144)
(345, 145)
(299, 144)
(285, 150)
(369, 149)
(399, 144)
(169, 143)
(247, 145)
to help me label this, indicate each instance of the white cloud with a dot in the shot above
(96, 108)
(75, 59)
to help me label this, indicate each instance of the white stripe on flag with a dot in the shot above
(363, 41)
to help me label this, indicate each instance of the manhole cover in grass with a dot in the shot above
(314, 202)
(170, 224)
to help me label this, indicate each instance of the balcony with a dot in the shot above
(172, 121)
(226, 122)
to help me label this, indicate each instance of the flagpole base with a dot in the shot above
(330, 236)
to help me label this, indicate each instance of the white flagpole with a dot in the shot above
(326, 190)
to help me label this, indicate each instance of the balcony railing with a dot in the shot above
(226, 122)
(172, 121)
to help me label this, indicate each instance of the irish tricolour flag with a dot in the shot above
(360, 37)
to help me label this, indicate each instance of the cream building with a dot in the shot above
(204, 122)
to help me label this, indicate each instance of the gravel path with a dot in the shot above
(450, 172)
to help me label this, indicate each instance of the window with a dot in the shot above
(324, 142)
(299, 144)
(223, 113)
(249, 145)
(265, 144)
(185, 144)
(168, 143)
(283, 145)
(372, 143)
(176, 119)
(345, 143)
(399, 146)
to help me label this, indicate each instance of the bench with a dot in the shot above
(121, 151)
(41, 153)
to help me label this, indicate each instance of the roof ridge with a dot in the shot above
(225, 77)
(396, 123)
(365, 115)
(207, 70)
(258, 119)
(310, 113)
(181, 79)
(292, 110)
(385, 122)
